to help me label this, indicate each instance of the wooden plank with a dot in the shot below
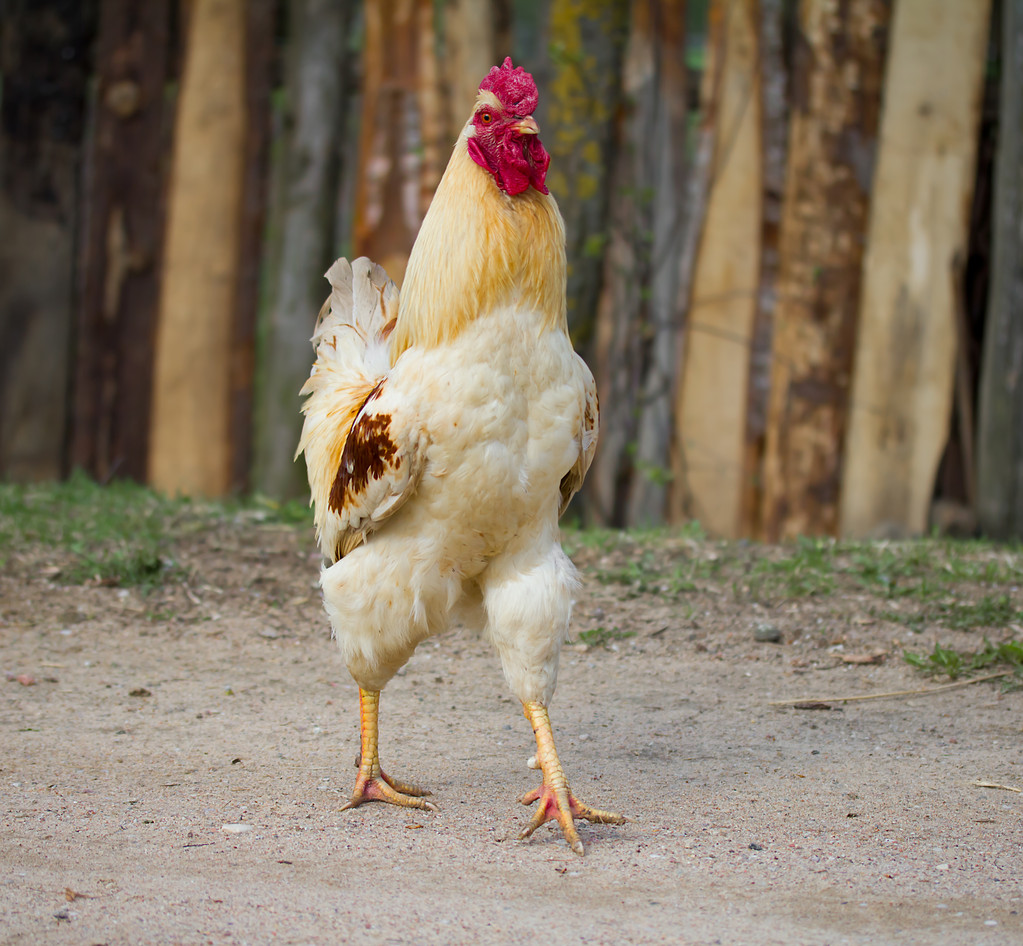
(836, 101)
(389, 203)
(666, 170)
(468, 55)
(776, 22)
(120, 242)
(304, 245)
(710, 426)
(638, 312)
(904, 360)
(260, 62)
(190, 444)
(579, 98)
(1000, 432)
(44, 70)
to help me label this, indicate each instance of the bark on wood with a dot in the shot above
(638, 318)
(120, 242)
(902, 385)
(578, 102)
(394, 182)
(836, 102)
(317, 97)
(711, 413)
(45, 63)
(1000, 433)
(637, 314)
(468, 55)
(260, 69)
(190, 445)
(776, 20)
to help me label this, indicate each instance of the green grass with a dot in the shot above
(802, 569)
(120, 534)
(114, 534)
(988, 611)
(602, 636)
(124, 534)
(954, 664)
(959, 585)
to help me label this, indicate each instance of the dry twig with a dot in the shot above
(894, 694)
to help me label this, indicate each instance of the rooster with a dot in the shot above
(446, 430)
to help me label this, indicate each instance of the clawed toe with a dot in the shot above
(387, 790)
(563, 807)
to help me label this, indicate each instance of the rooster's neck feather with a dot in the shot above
(480, 249)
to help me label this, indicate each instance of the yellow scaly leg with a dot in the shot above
(556, 799)
(372, 784)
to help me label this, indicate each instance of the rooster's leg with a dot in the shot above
(372, 784)
(556, 799)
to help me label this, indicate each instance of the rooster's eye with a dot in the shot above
(486, 118)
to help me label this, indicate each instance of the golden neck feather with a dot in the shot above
(477, 250)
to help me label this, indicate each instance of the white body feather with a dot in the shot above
(495, 417)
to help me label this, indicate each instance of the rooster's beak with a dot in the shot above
(527, 126)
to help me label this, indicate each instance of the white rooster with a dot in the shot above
(445, 433)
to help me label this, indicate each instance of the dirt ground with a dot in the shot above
(173, 766)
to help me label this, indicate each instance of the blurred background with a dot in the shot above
(795, 234)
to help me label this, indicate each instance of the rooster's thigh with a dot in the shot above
(382, 602)
(528, 602)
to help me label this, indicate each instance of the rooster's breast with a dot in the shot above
(501, 409)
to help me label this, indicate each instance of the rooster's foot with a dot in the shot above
(557, 803)
(381, 787)
(563, 807)
(372, 784)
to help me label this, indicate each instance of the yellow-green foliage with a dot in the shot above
(579, 94)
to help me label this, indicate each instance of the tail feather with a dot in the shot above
(352, 356)
(362, 305)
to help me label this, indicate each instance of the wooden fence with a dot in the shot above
(794, 242)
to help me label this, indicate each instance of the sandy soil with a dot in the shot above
(142, 727)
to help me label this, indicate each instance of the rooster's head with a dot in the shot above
(503, 135)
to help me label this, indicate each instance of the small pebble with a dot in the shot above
(236, 828)
(766, 634)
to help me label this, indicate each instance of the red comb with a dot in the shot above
(513, 86)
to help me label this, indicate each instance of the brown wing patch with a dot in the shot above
(367, 454)
(591, 412)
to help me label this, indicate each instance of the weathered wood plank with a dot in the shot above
(190, 442)
(904, 359)
(776, 22)
(260, 69)
(390, 202)
(638, 317)
(468, 55)
(45, 64)
(316, 107)
(710, 425)
(120, 242)
(579, 96)
(1000, 432)
(836, 100)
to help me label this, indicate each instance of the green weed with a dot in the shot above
(114, 534)
(989, 611)
(804, 568)
(954, 664)
(602, 636)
